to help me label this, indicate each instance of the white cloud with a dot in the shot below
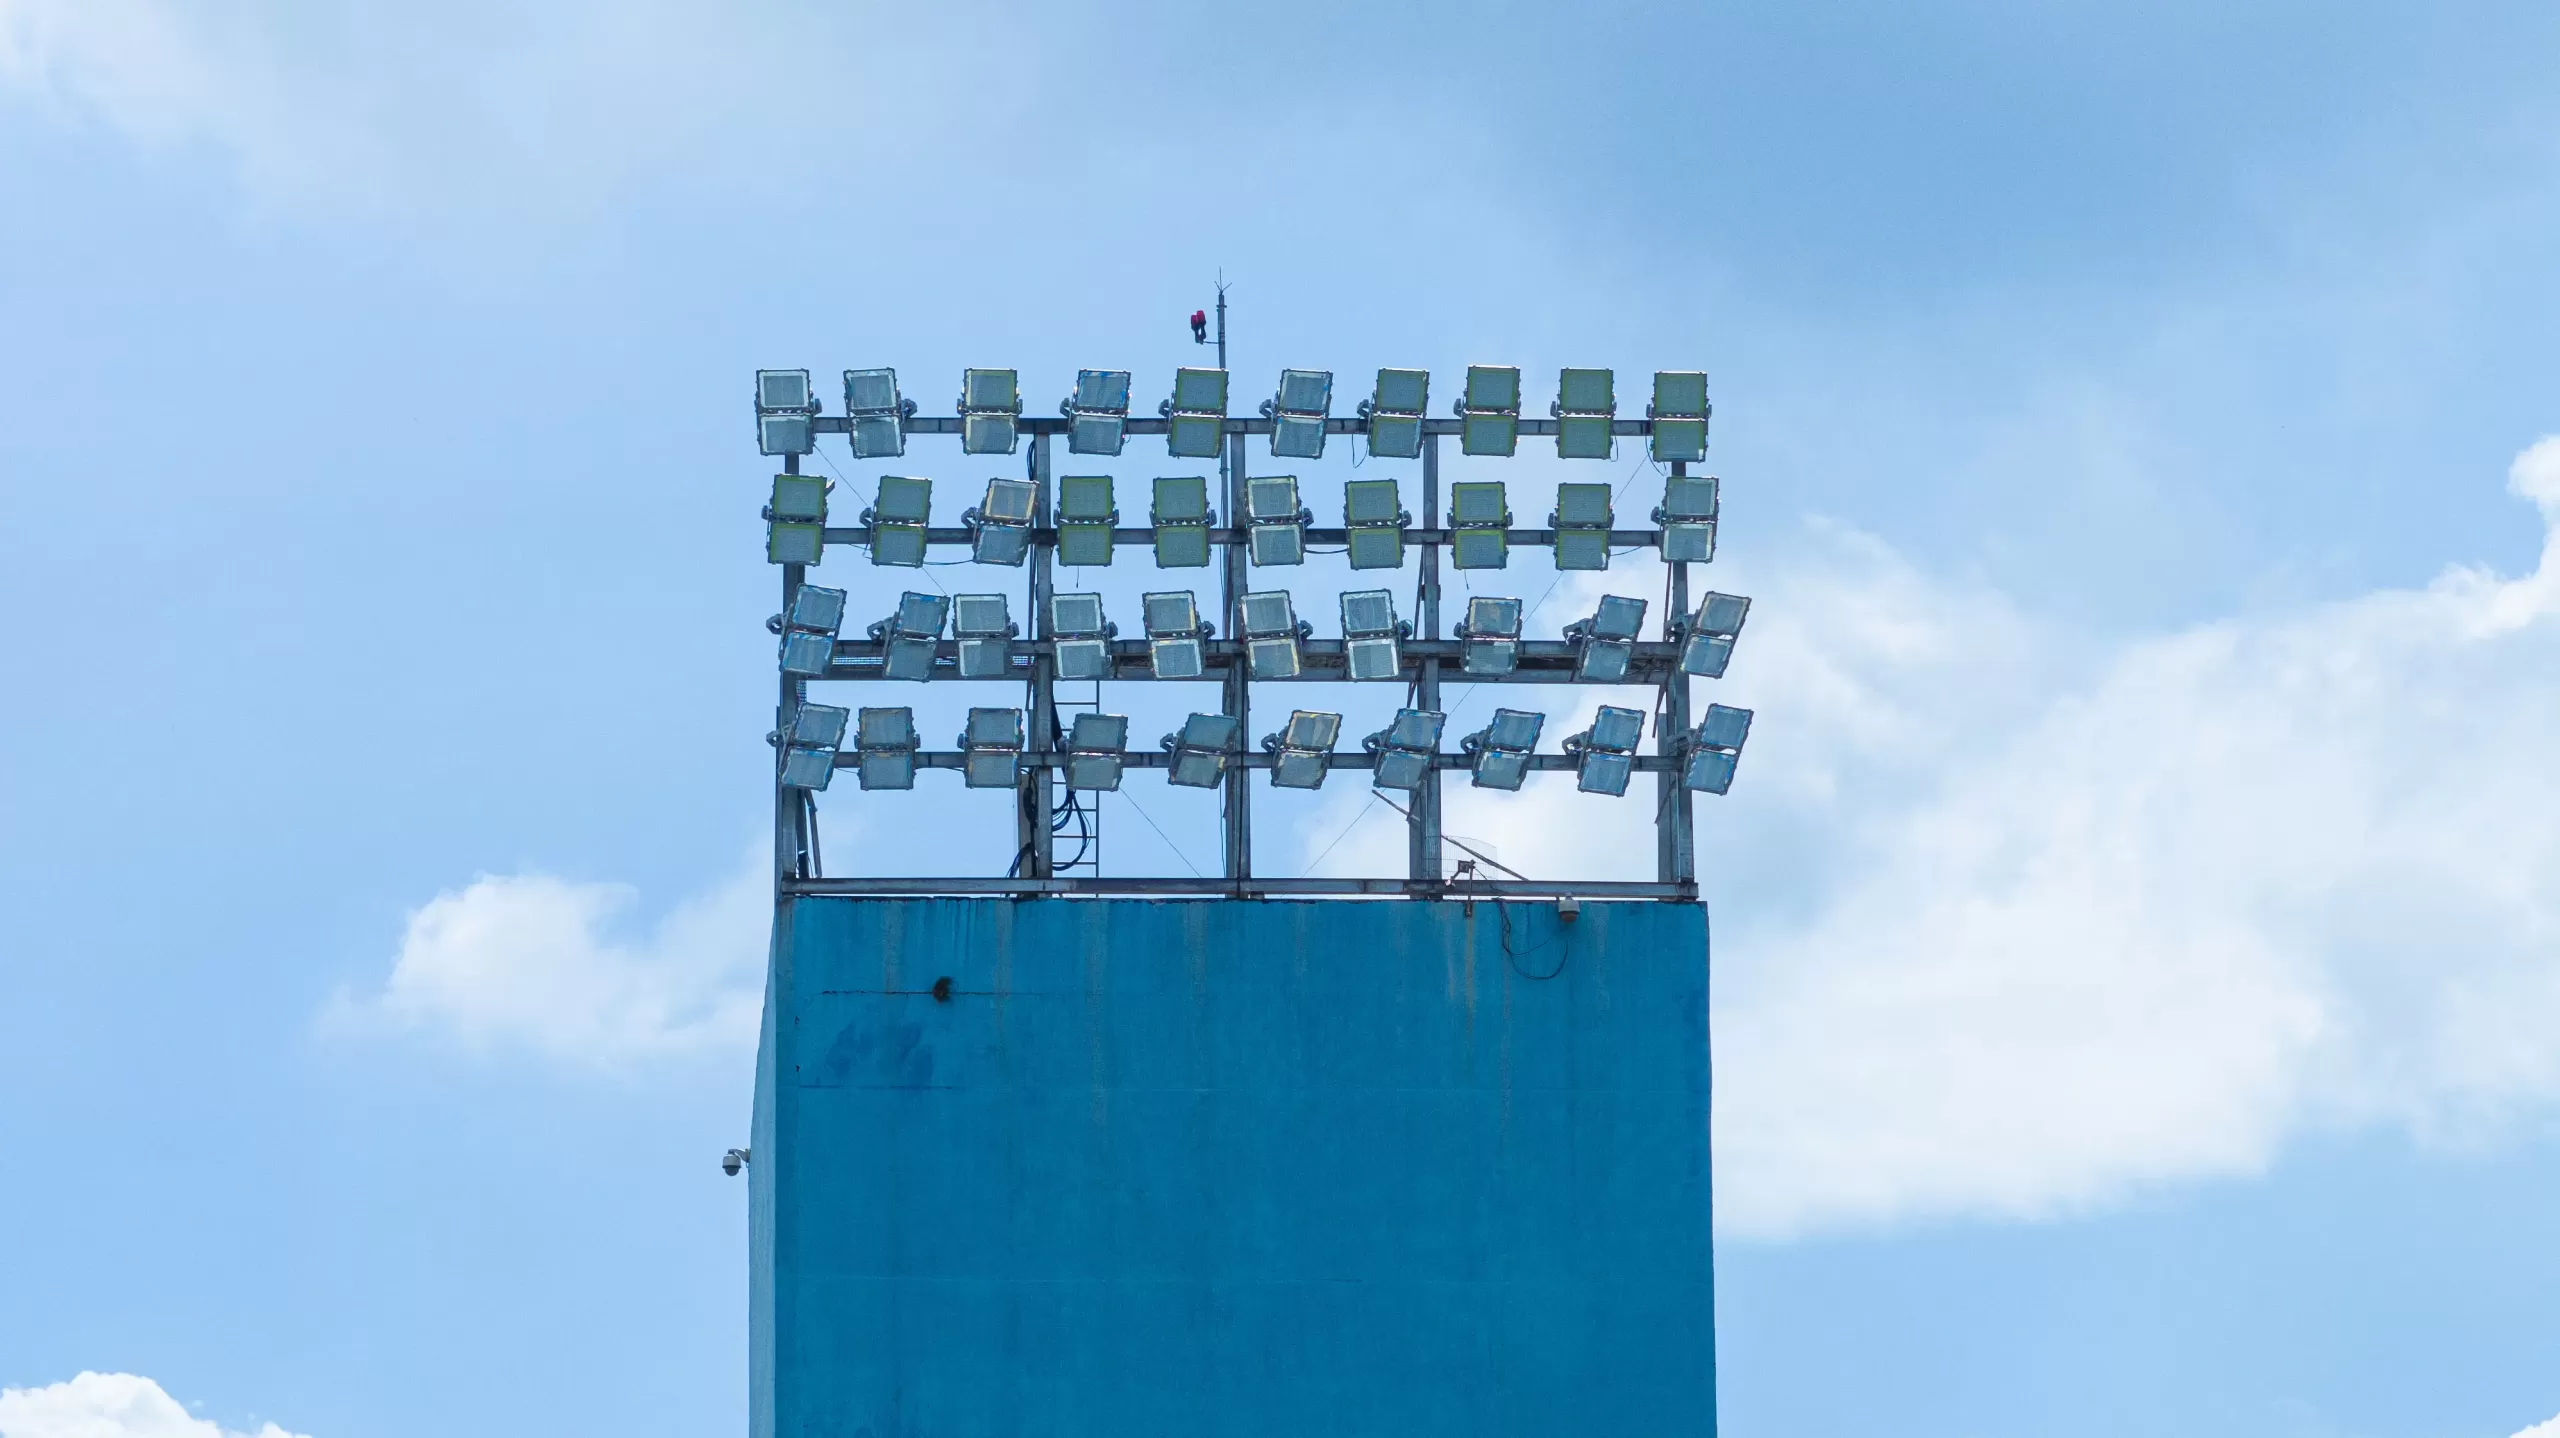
(108, 1405)
(2015, 924)
(538, 963)
(2542, 1430)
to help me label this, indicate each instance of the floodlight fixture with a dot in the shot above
(809, 630)
(991, 749)
(1272, 632)
(1180, 516)
(1679, 413)
(1372, 635)
(785, 412)
(1405, 748)
(1582, 519)
(1586, 405)
(910, 635)
(1298, 413)
(792, 543)
(1706, 644)
(990, 411)
(1715, 749)
(1394, 412)
(1479, 521)
(1498, 754)
(1000, 527)
(1176, 635)
(1302, 751)
(1489, 637)
(1489, 411)
(1098, 412)
(1606, 752)
(1196, 416)
(1375, 520)
(1200, 751)
(810, 743)
(1277, 522)
(897, 519)
(800, 498)
(983, 625)
(1097, 751)
(1606, 642)
(794, 433)
(1081, 636)
(1687, 519)
(783, 391)
(884, 748)
(1086, 518)
(875, 414)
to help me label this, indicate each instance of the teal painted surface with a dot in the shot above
(1232, 1169)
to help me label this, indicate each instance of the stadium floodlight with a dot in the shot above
(991, 749)
(1489, 637)
(1371, 634)
(1489, 412)
(790, 543)
(1405, 749)
(801, 497)
(1272, 632)
(1082, 637)
(1298, 413)
(990, 411)
(875, 414)
(1582, 518)
(1098, 413)
(1200, 751)
(809, 630)
(1479, 521)
(884, 748)
(1097, 751)
(1278, 522)
(1679, 413)
(1375, 517)
(1586, 404)
(897, 520)
(809, 749)
(1180, 515)
(1706, 644)
(1196, 416)
(1302, 751)
(1687, 518)
(1086, 517)
(1715, 749)
(1606, 641)
(983, 625)
(1000, 527)
(1175, 634)
(785, 412)
(911, 634)
(1606, 752)
(1499, 752)
(1394, 412)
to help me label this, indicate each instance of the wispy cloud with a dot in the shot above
(109, 1405)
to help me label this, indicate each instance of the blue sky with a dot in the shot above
(2138, 945)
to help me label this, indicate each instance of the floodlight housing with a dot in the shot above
(1196, 416)
(808, 768)
(1277, 522)
(786, 433)
(786, 543)
(1090, 433)
(1405, 749)
(1489, 637)
(1201, 391)
(1687, 517)
(1102, 390)
(1479, 521)
(897, 519)
(807, 655)
(1489, 434)
(780, 391)
(990, 408)
(1298, 413)
(1394, 412)
(885, 748)
(1272, 630)
(1179, 514)
(1081, 636)
(1000, 527)
(1097, 746)
(1582, 518)
(1606, 751)
(799, 498)
(1086, 519)
(1375, 517)
(1175, 634)
(1679, 413)
(1489, 410)
(874, 413)
(1371, 634)
(1586, 404)
(809, 630)
(1302, 751)
(909, 636)
(1098, 412)
(809, 749)
(1498, 754)
(1194, 436)
(1707, 645)
(1715, 749)
(1493, 387)
(1606, 641)
(983, 625)
(991, 746)
(1200, 750)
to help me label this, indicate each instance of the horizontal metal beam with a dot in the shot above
(1542, 661)
(1342, 759)
(1234, 424)
(1461, 889)
(1522, 538)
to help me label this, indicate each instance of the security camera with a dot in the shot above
(732, 1161)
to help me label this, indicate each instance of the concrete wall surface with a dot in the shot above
(1232, 1168)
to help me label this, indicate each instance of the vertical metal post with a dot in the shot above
(788, 842)
(1423, 860)
(1237, 795)
(1037, 792)
(1675, 837)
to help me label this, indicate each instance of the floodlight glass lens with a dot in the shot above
(910, 660)
(922, 615)
(878, 436)
(1371, 501)
(1710, 771)
(1582, 549)
(1491, 617)
(1078, 614)
(1093, 772)
(1584, 504)
(886, 729)
(1493, 387)
(1416, 729)
(1268, 612)
(1193, 436)
(799, 496)
(979, 614)
(807, 654)
(868, 390)
(1085, 546)
(902, 545)
(1274, 658)
(1618, 617)
(1478, 502)
(1401, 769)
(1587, 391)
(1402, 391)
(782, 389)
(1514, 729)
(1084, 659)
(1182, 546)
(1395, 436)
(1376, 548)
(1489, 434)
(1181, 499)
(1492, 656)
(985, 658)
(1368, 611)
(1310, 729)
(1195, 770)
(795, 543)
(785, 434)
(988, 769)
(1082, 496)
(1203, 390)
(819, 725)
(1102, 389)
(993, 729)
(1175, 658)
(1272, 499)
(1006, 544)
(1584, 436)
(1605, 773)
(1724, 727)
(1679, 392)
(808, 768)
(1689, 541)
(1272, 544)
(1497, 770)
(1096, 433)
(1372, 658)
(1299, 769)
(1172, 612)
(887, 770)
(1679, 439)
(817, 607)
(1209, 731)
(905, 499)
(1306, 391)
(1479, 549)
(1099, 731)
(1297, 436)
(1689, 496)
(987, 389)
(1722, 613)
(1706, 655)
(1605, 661)
(1617, 729)
(987, 434)
(1008, 501)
